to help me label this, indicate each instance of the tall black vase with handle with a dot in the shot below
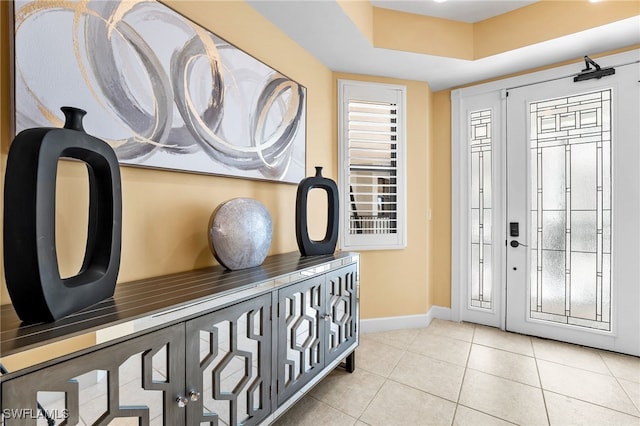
(32, 275)
(327, 245)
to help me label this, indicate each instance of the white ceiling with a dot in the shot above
(456, 10)
(322, 28)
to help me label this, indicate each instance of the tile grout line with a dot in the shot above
(633, 402)
(386, 379)
(404, 350)
(509, 379)
(359, 419)
(577, 368)
(611, 375)
(505, 378)
(593, 403)
(473, 369)
(503, 350)
(597, 352)
(439, 359)
(544, 399)
(466, 368)
(489, 414)
(464, 376)
(308, 395)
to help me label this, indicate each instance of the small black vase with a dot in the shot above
(327, 245)
(33, 278)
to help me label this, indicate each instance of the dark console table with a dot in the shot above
(209, 345)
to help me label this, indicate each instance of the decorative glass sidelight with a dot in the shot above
(571, 210)
(480, 140)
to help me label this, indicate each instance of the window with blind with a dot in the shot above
(372, 165)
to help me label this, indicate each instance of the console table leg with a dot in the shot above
(350, 362)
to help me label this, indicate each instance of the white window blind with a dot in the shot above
(372, 165)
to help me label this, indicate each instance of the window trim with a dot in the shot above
(376, 92)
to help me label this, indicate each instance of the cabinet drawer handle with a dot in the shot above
(194, 395)
(182, 401)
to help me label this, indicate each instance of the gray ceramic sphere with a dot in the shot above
(240, 233)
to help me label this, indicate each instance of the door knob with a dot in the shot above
(194, 395)
(182, 401)
(515, 243)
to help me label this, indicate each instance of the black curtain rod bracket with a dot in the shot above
(588, 73)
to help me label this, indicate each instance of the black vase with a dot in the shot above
(32, 275)
(327, 245)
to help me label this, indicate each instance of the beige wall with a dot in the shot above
(546, 20)
(422, 34)
(165, 214)
(535, 23)
(440, 200)
(396, 282)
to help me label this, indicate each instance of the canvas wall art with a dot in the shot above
(163, 91)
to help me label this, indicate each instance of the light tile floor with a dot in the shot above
(462, 374)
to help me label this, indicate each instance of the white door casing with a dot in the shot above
(493, 96)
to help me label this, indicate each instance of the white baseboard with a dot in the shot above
(439, 312)
(377, 325)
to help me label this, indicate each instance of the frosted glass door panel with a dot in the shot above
(481, 182)
(570, 142)
(572, 186)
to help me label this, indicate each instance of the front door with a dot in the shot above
(573, 210)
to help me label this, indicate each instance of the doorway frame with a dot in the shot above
(460, 181)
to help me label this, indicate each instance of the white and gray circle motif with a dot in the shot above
(161, 90)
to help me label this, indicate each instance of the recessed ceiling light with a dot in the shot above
(439, 1)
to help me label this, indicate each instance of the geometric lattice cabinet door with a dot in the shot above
(301, 335)
(342, 315)
(229, 364)
(133, 382)
(317, 322)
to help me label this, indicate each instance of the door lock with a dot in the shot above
(514, 229)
